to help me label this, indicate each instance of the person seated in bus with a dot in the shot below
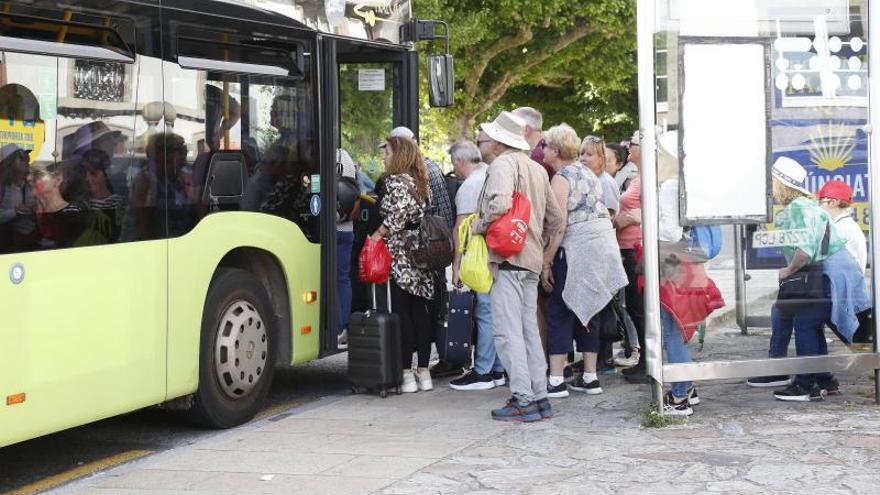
(289, 197)
(266, 174)
(159, 190)
(14, 192)
(59, 222)
(102, 199)
(819, 249)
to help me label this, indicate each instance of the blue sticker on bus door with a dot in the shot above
(315, 205)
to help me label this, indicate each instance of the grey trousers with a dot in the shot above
(514, 298)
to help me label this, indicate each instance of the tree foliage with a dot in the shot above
(572, 59)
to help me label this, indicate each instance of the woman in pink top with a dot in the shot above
(628, 223)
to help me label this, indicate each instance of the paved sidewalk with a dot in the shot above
(739, 441)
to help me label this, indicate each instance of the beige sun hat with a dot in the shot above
(508, 129)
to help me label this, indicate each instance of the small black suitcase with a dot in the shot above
(374, 361)
(455, 339)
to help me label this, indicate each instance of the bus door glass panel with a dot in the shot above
(269, 120)
(806, 72)
(366, 108)
(86, 319)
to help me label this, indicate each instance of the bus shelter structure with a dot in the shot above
(735, 85)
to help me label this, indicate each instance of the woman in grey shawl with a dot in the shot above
(586, 271)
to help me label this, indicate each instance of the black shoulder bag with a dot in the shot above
(808, 283)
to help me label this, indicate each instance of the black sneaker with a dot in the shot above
(545, 408)
(500, 378)
(797, 393)
(513, 411)
(634, 370)
(473, 381)
(830, 386)
(558, 391)
(639, 377)
(769, 381)
(567, 373)
(676, 407)
(693, 398)
(592, 388)
(443, 369)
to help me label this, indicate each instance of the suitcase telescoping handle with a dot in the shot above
(388, 288)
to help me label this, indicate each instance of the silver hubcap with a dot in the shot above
(242, 349)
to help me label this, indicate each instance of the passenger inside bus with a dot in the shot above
(160, 192)
(16, 201)
(60, 223)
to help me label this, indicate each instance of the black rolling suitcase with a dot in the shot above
(374, 361)
(455, 339)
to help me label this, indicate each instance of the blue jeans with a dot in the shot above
(344, 241)
(677, 350)
(808, 323)
(486, 359)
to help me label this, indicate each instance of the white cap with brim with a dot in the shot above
(790, 173)
(400, 132)
(507, 129)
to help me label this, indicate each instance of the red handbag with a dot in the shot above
(374, 262)
(506, 236)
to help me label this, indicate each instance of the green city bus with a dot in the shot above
(168, 193)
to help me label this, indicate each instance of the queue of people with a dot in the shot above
(576, 272)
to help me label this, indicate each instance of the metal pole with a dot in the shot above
(650, 214)
(874, 156)
(739, 275)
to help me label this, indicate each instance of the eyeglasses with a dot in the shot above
(481, 141)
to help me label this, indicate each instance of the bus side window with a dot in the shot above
(269, 120)
(64, 151)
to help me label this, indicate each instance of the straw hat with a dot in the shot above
(507, 129)
(790, 173)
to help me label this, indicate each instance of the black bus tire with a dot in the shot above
(236, 351)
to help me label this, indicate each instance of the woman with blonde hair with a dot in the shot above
(403, 198)
(586, 271)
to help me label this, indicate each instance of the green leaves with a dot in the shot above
(573, 59)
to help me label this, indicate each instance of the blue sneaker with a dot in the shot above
(513, 411)
(545, 408)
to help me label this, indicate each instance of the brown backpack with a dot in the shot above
(434, 250)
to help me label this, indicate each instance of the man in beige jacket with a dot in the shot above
(514, 294)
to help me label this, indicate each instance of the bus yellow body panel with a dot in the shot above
(94, 332)
(193, 259)
(83, 336)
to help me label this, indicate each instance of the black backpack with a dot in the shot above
(452, 185)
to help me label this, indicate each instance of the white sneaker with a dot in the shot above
(342, 340)
(626, 362)
(409, 382)
(423, 376)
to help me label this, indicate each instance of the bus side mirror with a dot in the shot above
(441, 80)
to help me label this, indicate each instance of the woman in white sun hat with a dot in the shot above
(821, 283)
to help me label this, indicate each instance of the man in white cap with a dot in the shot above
(514, 294)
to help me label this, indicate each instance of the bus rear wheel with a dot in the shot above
(237, 349)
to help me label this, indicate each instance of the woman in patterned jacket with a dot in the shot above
(404, 196)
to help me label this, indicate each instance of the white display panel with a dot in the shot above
(724, 133)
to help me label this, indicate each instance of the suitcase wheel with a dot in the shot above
(383, 393)
(355, 389)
